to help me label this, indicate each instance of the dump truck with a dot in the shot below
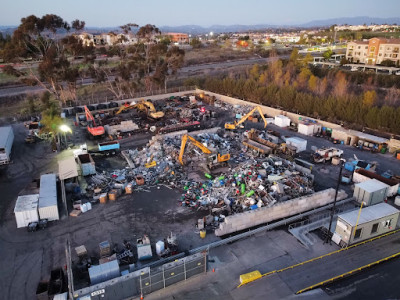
(86, 164)
(6, 143)
(106, 148)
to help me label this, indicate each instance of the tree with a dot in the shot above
(388, 63)
(340, 84)
(195, 43)
(313, 83)
(327, 54)
(294, 56)
(369, 99)
(36, 37)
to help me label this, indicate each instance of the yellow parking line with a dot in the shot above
(347, 273)
(325, 255)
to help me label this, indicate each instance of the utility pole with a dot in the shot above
(328, 235)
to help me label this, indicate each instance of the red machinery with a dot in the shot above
(92, 128)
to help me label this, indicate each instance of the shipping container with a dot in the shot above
(104, 272)
(282, 121)
(6, 142)
(370, 192)
(300, 144)
(26, 210)
(306, 129)
(48, 208)
(361, 175)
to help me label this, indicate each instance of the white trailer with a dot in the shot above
(48, 208)
(26, 210)
(6, 142)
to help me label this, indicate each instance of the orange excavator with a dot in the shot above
(93, 129)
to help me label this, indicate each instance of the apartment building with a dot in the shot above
(374, 51)
(181, 38)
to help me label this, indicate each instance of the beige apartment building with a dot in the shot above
(374, 51)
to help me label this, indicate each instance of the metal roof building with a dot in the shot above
(372, 221)
(26, 210)
(48, 208)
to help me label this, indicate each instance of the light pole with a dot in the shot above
(328, 238)
(64, 129)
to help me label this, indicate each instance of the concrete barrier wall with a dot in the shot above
(263, 215)
(270, 111)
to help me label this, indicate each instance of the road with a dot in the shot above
(183, 72)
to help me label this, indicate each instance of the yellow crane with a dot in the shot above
(235, 124)
(214, 160)
(145, 106)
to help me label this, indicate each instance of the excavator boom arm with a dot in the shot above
(245, 117)
(194, 142)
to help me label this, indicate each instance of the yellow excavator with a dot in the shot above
(145, 106)
(234, 125)
(215, 160)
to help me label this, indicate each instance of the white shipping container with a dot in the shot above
(392, 190)
(26, 210)
(300, 144)
(48, 208)
(282, 121)
(306, 129)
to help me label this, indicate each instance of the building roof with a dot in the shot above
(368, 214)
(48, 190)
(372, 185)
(360, 42)
(389, 41)
(26, 202)
(363, 136)
(67, 168)
(4, 132)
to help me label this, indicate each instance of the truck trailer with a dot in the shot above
(6, 142)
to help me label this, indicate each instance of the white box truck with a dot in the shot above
(6, 142)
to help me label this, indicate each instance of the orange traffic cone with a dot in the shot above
(141, 296)
(213, 270)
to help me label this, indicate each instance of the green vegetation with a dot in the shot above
(330, 95)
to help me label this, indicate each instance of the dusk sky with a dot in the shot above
(205, 13)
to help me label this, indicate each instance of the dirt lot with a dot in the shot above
(214, 54)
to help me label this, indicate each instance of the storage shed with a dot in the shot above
(67, 168)
(282, 121)
(373, 221)
(370, 192)
(104, 272)
(48, 208)
(306, 128)
(300, 144)
(26, 210)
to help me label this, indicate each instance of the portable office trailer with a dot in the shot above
(373, 221)
(48, 208)
(370, 192)
(6, 142)
(26, 210)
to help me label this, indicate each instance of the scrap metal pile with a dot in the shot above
(248, 183)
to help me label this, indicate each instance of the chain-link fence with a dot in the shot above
(172, 273)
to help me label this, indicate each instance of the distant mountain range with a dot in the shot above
(196, 29)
